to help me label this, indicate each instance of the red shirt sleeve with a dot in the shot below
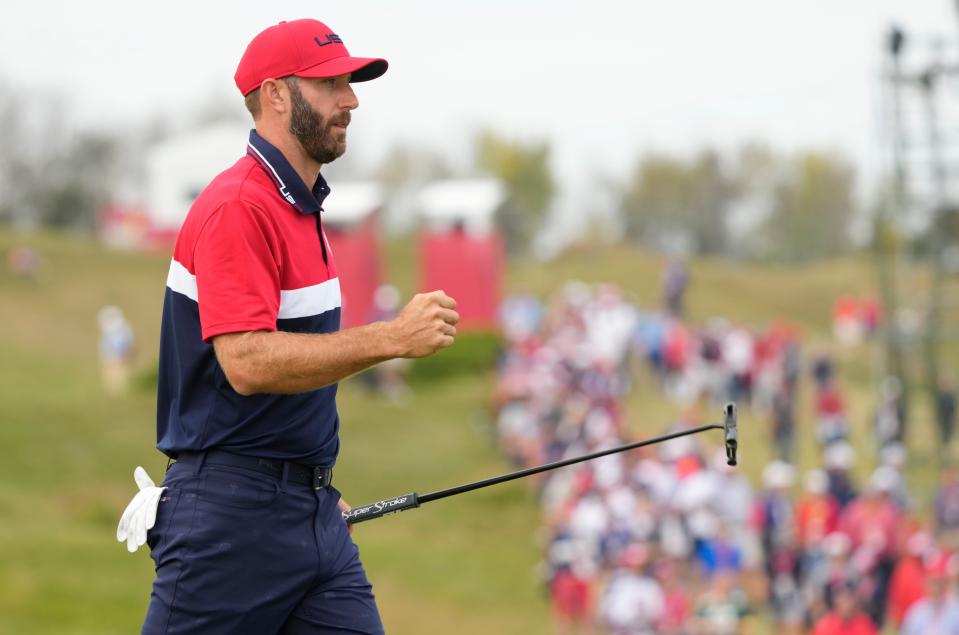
(237, 271)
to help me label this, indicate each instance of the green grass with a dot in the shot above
(466, 563)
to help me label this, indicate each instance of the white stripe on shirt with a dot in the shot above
(309, 301)
(295, 303)
(181, 281)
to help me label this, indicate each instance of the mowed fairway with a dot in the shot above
(466, 564)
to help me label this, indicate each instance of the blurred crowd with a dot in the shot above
(669, 540)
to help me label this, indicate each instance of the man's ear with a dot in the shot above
(275, 96)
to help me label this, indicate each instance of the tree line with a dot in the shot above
(753, 202)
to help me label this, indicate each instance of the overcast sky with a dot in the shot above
(603, 80)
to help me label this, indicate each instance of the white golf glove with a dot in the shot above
(141, 513)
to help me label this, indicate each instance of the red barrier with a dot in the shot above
(357, 253)
(468, 268)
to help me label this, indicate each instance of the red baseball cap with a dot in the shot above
(305, 48)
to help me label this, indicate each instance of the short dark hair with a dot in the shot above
(252, 102)
(252, 99)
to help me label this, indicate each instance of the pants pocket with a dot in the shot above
(166, 509)
(236, 488)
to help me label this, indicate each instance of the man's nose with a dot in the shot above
(348, 100)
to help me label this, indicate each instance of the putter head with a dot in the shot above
(732, 438)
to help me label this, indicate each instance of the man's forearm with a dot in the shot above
(281, 362)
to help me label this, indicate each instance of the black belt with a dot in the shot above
(312, 475)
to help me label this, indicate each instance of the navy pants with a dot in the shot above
(242, 552)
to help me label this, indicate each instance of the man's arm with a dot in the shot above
(280, 362)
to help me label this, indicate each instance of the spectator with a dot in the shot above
(116, 349)
(938, 612)
(839, 458)
(847, 321)
(791, 364)
(774, 510)
(571, 586)
(389, 377)
(715, 549)
(947, 503)
(893, 459)
(831, 423)
(946, 411)
(520, 317)
(870, 310)
(738, 349)
(650, 339)
(571, 602)
(846, 616)
(823, 370)
(889, 413)
(734, 507)
(784, 422)
(675, 282)
(823, 573)
(632, 602)
(871, 522)
(907, 584)
(817, 512)
(676, 605)
(776, 527)
(721, 607)
(677, 348)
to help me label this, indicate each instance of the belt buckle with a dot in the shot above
(322, 477)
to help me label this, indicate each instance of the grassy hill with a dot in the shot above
(467, 563)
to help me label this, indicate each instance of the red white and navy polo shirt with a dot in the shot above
(250, 256)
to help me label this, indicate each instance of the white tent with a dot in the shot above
(350, 202)
(179, 168)
(470, 203)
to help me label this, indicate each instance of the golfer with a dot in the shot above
(248, 535)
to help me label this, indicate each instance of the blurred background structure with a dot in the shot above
(353, 229)
(643, 211)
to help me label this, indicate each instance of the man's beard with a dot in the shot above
(312, 131)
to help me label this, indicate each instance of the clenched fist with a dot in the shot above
(425, 325)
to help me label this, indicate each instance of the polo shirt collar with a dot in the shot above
(288, 183)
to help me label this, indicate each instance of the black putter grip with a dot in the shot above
(381, 508)
(732, 437)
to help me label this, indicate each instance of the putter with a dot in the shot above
(414, 500)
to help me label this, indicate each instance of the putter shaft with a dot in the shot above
(443, 493)
(414, 500)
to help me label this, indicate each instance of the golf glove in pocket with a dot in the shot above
(141, 513)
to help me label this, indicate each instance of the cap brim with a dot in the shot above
(360, 69)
